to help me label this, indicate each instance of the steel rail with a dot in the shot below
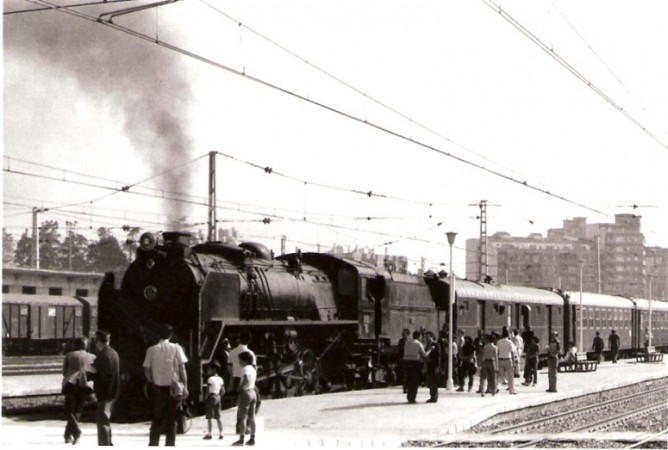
(651, 438)
(585, 409)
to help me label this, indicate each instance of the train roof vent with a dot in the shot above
(258, 250)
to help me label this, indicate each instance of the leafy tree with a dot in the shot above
(131, 243)
(106, 254)
(23, 253)
(7, 248)
(49, 246)
(74, 250)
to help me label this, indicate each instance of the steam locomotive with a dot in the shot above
(316, 321)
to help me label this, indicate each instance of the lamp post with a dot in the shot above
(581, 343)
(451, 240)
(649, 329)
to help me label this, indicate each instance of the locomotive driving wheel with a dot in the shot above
(299, 377)
(307, 368)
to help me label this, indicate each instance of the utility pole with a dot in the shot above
(283, 239)
(34, 261)
(70, 231)
(212, 235)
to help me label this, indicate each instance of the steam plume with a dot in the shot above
(146, 82)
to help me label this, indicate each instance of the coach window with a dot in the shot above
(55, 291)
(5, 289)
(29, 290)
(81, 293)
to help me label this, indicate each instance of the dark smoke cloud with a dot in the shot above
(147, 83)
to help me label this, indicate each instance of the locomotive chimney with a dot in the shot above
(174, 238)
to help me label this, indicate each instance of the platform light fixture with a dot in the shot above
(581, 264)
(451, 240)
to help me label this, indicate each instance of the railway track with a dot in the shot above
(31, 365)
(559, 422)
(609, 418)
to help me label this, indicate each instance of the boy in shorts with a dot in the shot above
(216, 389)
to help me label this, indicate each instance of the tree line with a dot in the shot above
(71, 250)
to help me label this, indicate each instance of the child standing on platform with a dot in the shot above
(216, 389)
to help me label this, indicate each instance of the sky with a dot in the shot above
(430, 106)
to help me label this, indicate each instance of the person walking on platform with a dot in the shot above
(405, 334)
(414, 355)
(433, 365)
(553, 350)
(107, 385)
(467, 367)
(531, 363)
(490, 364)
(598, 347)
(613, 342)
(519, 344)
(247, 399)
(164, 363)
(507, 358)
(77, 364)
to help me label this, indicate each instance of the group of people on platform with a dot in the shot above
(98, 373)
(495, 357)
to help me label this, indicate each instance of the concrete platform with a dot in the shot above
(378, 418)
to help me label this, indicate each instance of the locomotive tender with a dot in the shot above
(316, 320)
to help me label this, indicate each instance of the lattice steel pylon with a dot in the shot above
(483, 254)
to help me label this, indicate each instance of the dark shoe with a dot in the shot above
(550, 390)
(524, 383)
(482, 394)
(75, 441)
(208, 436)
(461, 389)
(431, 400)
(220, 437)
(238, 443)
(251, 442)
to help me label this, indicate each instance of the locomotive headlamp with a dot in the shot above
(147, 241)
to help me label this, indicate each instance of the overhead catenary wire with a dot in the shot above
(554, 55)
(332, 109)
(348, 85)
(598, 57)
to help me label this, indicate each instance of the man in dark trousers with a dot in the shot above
(405, 334)
(414, 355)
(164, 363)
(553, 350)
(433, 365)
(77, 363)
(107, 385)
(598, 347)
(613, 341)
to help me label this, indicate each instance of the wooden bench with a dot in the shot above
(580, 365)
(649, 355)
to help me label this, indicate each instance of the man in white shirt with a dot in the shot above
(164, 363)
(507, 356)
(414, 355)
